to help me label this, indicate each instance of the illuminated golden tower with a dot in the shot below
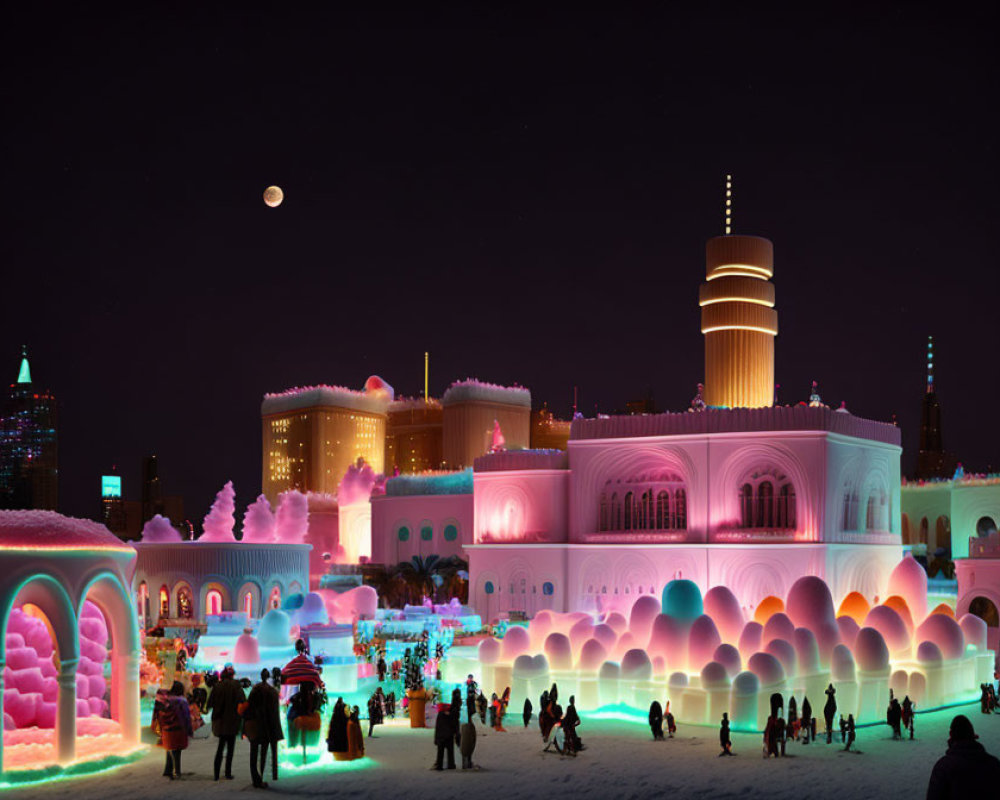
(738, 318)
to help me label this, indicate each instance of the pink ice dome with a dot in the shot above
(767, 669)
(973, 630)
(779, 626)
(528, 667)
(626, 643)
(870, 651)
(929, 653)
(617, 622)
(540, 627)
(746, 684)
(751, 639)
(516, 641)
(806, 652)
(891, 626)
(350, 606)
(945, 633)
(246, 650)
(42, 529)
(901, 607)
(784, 652)
(592, 655)
(729, 657)
(909, 580)
(842, 664)
(724, 609)
(636, 665)
(610, 671)
(581, 631)
(559, 651)
(606, 635)
(644, 611)
(489, 651)
(848, 630)
(311, 612)
(714, 676)
(703, 639)
(809, 603)
(669, 639)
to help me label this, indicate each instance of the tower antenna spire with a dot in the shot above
(427, 358)
(729, 204)
(930, 364)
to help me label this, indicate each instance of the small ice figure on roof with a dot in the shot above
(959, 472)
(698, 402)
(499, 443)
(843, 408)
(814, 399)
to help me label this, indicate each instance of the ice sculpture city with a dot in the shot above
(706, 657)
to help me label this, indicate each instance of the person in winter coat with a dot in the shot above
(494, 707)
(224, 702)
(793, 720)
(376, 710)
(336, 739)
(380, 666)
(471, 692)
(481, 706)
(526, 713)
(771, 737)
(668, 717)
(355, 739)
(570, 722)
(806, 719)
(966, 770)
(829, 710)
(444, 737)
(467, 744)
(172, 716)
(724, 738)
(894, 717)
(262, 726)
(656, 720)
(850, 732)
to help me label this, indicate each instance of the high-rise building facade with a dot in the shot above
(29, 463)
(932, 460)
(547, 432)
(413, 436)
(312, 435)
(471, 411)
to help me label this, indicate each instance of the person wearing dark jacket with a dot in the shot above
(444, 737)
(829, 710)
(336, 740)
(468, 744)
(724, 738)
(850, 732)
(526, 713)
(806, 719)
(376, 710)
(224, 701)
(656, 720)
(966, 770)
(172, 716)
(262, 726)
(455, 709)
(570, 722)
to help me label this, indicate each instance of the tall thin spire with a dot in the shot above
(427, 368)
(729, 204)
(930, 364)
(24, 375)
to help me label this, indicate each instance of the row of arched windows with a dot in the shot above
(767, 501)
(876, 511)
(649, 509)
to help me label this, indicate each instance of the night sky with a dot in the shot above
(526, 197)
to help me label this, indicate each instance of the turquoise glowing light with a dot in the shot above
(111, 486)
(682, 600)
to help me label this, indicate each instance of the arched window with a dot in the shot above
(764, 516)
(629, 511)
(603, 517)
(427, 533)
(403, 533)
(164, 602)
(274, 599)
(850, 522)
(213, 601)
(644, 517)
(746, 506)
(786, 507)
(616, 513)
(663, 510)
(923, 530)
(489, 587)
(185, 607)
(680, 510)
(984, 608)
(450, 533)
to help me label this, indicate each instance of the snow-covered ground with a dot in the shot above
(621, 761)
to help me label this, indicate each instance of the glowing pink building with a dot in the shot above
(746, 495)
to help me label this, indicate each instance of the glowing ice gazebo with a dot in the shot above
(50, 566)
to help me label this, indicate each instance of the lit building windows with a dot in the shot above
(644, 503)
(762, 507)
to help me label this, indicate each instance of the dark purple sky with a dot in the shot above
(525, 197)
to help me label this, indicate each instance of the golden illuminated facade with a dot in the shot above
(739, 322)
(312, 436)
(547, 432)
(413, 438)
(471, 410)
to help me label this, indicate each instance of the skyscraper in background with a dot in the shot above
(29, 465)
(932, 460)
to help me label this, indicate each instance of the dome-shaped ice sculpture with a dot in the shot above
(898, 604)
(809, 604)
(870, 651)
(842, 664)
(767, 669)
(592, 655)
(640, 620)
(610, 671)
(751, 639)
(677, 680)
(489, 651)
(636, 665)
(541, 626)
(848, 630)
(779, 626)
(855, 606)
(528, 667)
(581, 631)
(515, 641)
(702, 641)
(729, 657)
(617, 622)
(311, 612)
(767, 607)
(806, 652)
(275, 629)
(714, 676)
(893, 630)
(945, 633)
(246, 650)
(606, 635)
(559, 651)
(724, 609)
(909, 580)
(944, 608)
(929, 654)
(974, 630)
(669, 639)
(682, 599)
(784, 652)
